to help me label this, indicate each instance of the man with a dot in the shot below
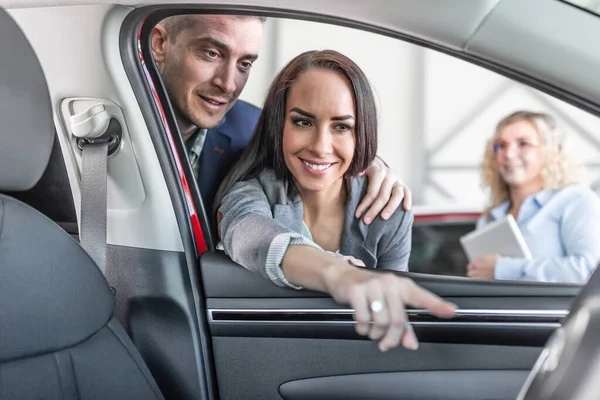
(205, 62)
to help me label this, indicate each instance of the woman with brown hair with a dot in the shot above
(529, 175)
(286, 209)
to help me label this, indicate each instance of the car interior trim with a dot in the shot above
(416, 316)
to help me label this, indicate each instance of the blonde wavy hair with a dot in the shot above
(558, 171)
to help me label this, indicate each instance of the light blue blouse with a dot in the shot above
(562, 230)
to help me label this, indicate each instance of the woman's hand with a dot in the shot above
(483, 267)
(378, 300)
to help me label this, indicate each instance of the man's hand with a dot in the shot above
(385, 190)
(483, 267)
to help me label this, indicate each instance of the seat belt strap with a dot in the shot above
(99, 135)
(93, 201)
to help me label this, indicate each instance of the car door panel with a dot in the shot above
(154, 300)
(472, 385)
(272, 342)
(222, 278)
(256, 368)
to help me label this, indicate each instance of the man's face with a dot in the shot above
(207, 66)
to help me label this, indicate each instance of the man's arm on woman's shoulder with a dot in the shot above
(385, 193)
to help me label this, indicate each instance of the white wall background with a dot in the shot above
(436, 112)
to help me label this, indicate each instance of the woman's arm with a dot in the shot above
(580, 235)
(252, 238)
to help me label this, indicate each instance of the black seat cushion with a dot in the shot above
(53, 296)
(57, 330)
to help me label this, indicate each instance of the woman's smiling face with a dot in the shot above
(318, 134)
(519, 154)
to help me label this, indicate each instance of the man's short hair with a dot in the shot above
(176, 24)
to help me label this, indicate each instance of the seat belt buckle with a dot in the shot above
(113, 136)
(95, 125)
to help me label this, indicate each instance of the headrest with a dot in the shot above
(26, 124)
(53, 295)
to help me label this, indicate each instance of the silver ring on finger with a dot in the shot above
(376, 306)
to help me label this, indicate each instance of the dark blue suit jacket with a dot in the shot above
(223, 146)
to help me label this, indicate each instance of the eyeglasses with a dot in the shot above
(520, 145)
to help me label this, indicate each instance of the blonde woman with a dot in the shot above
(529, 176)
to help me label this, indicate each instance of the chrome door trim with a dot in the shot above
(418, 317)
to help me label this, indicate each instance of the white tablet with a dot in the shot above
(499, 237)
